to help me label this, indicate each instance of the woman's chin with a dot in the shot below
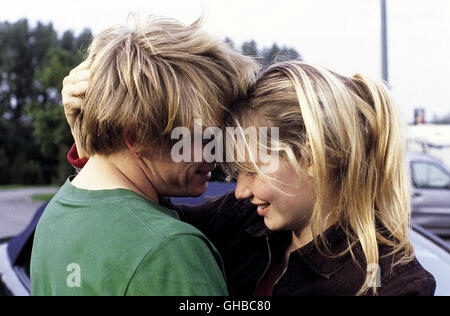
(270, 224)
(274, 225)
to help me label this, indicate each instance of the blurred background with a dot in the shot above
(403, 42)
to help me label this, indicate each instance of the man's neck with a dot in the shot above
(120, 170)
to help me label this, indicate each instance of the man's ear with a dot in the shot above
(129, 136)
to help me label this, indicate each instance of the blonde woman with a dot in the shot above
(333, 218)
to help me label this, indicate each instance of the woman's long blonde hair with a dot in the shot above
(348, 129)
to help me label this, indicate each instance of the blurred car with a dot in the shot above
(432, 252)
(15, 255)
(430, 202)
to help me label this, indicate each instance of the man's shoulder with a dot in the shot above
(126, 214)
(158, 219)
(125, 234)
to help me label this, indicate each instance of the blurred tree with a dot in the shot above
(275, 54)
(51, 133)
(34, 137)
(16, 68)
(268, 56)
(52, 136)
(23, 51)
(57, 65)
(42, 38)
(250, 48)
(229, 41)
(83, 41)
(68, 41)
(289, 54)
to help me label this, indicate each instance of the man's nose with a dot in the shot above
(243, 190)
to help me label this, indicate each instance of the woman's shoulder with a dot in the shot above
(392, 277)
(407, 279)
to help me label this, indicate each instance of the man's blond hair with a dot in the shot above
(160, 75)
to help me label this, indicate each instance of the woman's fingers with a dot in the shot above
(72, 96)
(73, 106)
(79, 89)
(75, 86)
(76, 77)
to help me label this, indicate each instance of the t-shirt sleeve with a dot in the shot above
(181, 265)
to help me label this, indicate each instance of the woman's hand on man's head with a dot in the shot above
(74, 89)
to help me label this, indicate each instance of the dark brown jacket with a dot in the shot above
(246, 246)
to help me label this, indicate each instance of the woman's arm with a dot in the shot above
(204, 215)
(218, 217)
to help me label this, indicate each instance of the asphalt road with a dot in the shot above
(17, 209)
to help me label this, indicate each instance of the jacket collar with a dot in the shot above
(320, 261)
(258, 228)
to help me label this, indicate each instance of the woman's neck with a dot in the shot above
(120, 170)
(304, 235)
(301, 238)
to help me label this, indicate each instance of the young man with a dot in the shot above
(105, 233)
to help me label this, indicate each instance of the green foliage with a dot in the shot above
(50, 129)
(34, 135)
(52, 136)
(57, 65)
(42, 197)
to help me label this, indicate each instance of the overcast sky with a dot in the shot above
(343, 35)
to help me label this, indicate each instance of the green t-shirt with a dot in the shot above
(116, 242)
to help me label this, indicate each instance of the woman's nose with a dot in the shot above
(243, 190)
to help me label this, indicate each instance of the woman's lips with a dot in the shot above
(263, 209)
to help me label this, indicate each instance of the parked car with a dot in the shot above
(430, 200)
(15, 254)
